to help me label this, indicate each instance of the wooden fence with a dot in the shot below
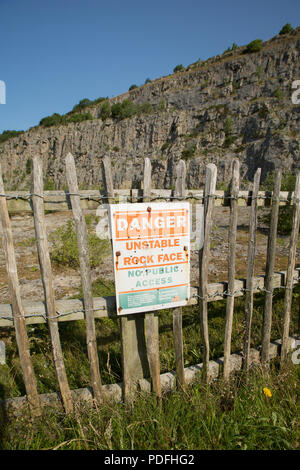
(139, 332)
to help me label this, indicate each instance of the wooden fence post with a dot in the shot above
(85, 273)
(46, 272)
(17, 308)
(290, 271)
(209, 192)
(107, 180)
(271, 251)
(179, 194)
(250, 269)
(151, 319)
(231, 265)
(135, 364)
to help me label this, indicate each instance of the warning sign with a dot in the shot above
(151, 251)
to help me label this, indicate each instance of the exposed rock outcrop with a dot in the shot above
(234, 105)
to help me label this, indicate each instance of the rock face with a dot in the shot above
(235, 105)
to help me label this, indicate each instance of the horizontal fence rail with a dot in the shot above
(73, 309)
(20, 201)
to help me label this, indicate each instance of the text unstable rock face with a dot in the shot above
(151, 249)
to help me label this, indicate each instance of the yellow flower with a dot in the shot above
(267, 392)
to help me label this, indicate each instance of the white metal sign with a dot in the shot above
(151, 254)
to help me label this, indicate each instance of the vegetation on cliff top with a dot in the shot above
(127, 108)
(8, 135)
(58, 119)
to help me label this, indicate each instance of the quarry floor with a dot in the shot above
(67, 281)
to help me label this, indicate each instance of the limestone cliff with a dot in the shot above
(233, 105)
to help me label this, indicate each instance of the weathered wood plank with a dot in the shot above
(147, 180)
(152, 338)
(271, 251)
(204, 253)
(46, 273)
(250, 269)
(179, 194)
(128, 333)
(86, 281)
(108, 180)
(231, 266)
(290, 271)
(178, 346)
(180, 191)
(151, 320)
(35, 312)
(17, 309)
(135, 364)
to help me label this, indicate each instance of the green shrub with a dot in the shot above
(165, 146)
(98, 100)
(123, 110)
(285, 215)
(79, 117)
(235, 86)
(232, 48)
(148, 80)
(105, 111)
(278, 93)
(82, 104)
(285, 219)
(58, 120)
(28, 166)
(178, 68)
(288, 181)
(228, 132)
(145, 108)
(188, 152)
(228, 126)
(85, 102)
(49, 184)
(254, 46)
(161, 105)
(132, 87)
(229, 140)
(65, 250)
(53, 120)
(8, 135)
(287, 28)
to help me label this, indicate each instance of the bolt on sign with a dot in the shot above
(151, 253)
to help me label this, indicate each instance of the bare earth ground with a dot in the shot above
(67, 281)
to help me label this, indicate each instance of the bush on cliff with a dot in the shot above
(58, 119)
(105, 111)
(82, 104)
(125, 109)
(287, 28)
(8, 135)
(254, 46)
(178, 68)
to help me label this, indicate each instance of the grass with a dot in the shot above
(73, 339)
(236, 416)
(27, 242)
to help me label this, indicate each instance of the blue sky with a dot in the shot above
(56, 52)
